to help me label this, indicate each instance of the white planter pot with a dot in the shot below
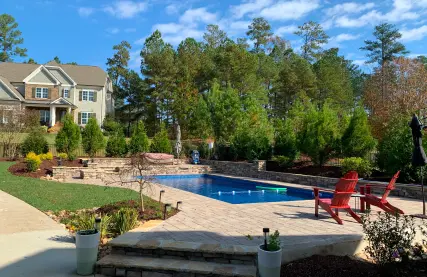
(269, 262)
(87, 252)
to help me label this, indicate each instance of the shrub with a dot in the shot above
(395, 151)
(48, 156)
(43, 129)
(116, 145)
(187, 147)
(139, 142)
(251, 144)
(68, 138)
(319, 135)
(285, 140)
(274, 242)
(110, 126)
(124, 220)
(33, 161)
(92, 137)
(222, 151)
(284, 161)
(63, 156)
(357, 140)
(34, 142)
(389, 237)
(204, 151)
(161, 142)
(362, 166)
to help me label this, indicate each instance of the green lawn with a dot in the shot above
(55, 196)
(49, 137)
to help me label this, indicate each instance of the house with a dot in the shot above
(56, 89)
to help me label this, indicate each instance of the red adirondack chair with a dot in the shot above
(382, 202)
(342, 194)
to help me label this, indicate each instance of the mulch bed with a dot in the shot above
(334, 266)
(20, 168)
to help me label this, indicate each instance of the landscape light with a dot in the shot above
(265, 231)
(166, 209)
(178, 204)
(160, 198)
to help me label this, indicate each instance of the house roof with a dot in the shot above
(16, 72)
(11, 88)
(81, 74)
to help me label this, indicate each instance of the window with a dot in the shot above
(66, 93)
(42, 92)
(44, 117)
(88, 95)
(85, 117)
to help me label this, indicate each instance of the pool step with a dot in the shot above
(184, 250)
(139, 266)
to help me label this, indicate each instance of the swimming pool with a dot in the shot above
(235, 191)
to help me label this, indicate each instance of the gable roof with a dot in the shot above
(16, 72)
(8, 85)
(81, 74)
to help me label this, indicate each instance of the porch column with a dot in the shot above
(52, 116)
(69, 110)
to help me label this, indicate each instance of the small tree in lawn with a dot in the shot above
(161, 143)
(68, 138)
(139, 142)
(92, 138)
(116, 145)
(357, 140)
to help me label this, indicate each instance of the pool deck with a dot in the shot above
(206, 220)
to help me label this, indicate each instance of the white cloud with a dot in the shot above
(239, 25)
(346, 37)
(251, 6)
(290, 29)
(113, 31)
(135, 60)
(176, 39)
(414, 34)
(193, 16)
(130, 30)
(286, 10)
(169, 28)
(85, 11)
(125, 8)
(349, 7)
(172, 8)
(359, 62)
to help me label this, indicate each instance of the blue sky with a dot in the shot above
(84, 31)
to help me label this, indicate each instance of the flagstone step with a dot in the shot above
(139, 266)
(184, 250)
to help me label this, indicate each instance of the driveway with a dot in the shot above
(31, 243)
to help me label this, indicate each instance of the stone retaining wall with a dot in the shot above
(257, 170)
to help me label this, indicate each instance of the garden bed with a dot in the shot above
(325, 266)
(20, 167)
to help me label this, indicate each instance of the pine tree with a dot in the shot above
(139, 142)
(313, 37)
(116, 145)
(92, 137)
(161, 143)
(10, 38)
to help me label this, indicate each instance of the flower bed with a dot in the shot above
(20, 167)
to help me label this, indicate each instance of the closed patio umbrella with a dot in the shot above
(418, 155)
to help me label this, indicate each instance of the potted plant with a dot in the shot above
(87, 242)
(270, 255)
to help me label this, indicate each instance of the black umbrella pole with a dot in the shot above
(422, 191)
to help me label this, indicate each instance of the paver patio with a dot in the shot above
(207, 220)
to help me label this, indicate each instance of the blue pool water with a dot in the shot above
(221, 188)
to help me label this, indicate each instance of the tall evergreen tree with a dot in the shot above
(260, 32)
(68, 138)
(386, 45)
(10, 38)
(313, 37)
(139, 142)
(214, 37)
(92, 137)
(57, 60)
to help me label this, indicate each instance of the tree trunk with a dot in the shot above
(141, 198)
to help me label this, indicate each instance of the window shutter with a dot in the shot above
(49, 92)
(80, 95)
(80, 118)
(63, 91)
(95, 93)
(34, 92)
(69, 92)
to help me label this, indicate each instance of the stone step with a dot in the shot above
(184, 250)
(137, 266)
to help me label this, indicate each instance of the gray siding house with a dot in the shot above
(56, 89)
